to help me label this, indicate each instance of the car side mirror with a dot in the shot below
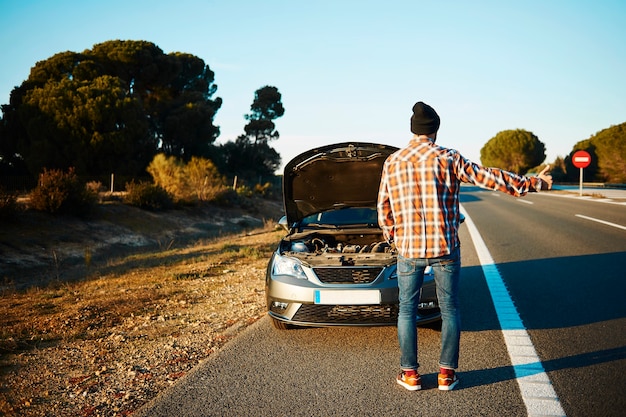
(283, 223)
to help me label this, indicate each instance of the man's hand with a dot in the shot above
(546, 178)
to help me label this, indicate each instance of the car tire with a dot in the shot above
(435, 325)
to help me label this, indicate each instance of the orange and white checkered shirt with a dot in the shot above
(418, 198)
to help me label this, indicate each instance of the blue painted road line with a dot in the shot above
(537, 391)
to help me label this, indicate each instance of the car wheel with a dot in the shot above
(280, 325)
(435, 325)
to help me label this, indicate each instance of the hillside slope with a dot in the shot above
(39, 248)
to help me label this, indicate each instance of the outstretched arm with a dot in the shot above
(501, 180)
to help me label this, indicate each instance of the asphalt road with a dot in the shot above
(564, 269)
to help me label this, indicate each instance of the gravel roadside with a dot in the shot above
(106, 345)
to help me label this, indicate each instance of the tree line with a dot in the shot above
(521, 151)
(113, 108)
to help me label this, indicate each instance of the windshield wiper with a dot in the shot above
(341, 226)
(357, 225)
(330, 226)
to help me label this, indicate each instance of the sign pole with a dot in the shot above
(581, 182)
(581, 159)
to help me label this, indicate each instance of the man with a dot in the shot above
(418, 211)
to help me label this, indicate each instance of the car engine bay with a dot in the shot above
(339, 248)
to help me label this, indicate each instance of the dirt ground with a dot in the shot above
(99, 315)
(38, 248)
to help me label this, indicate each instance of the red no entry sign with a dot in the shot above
(581, 159)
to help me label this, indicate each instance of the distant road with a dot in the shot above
(563, 261)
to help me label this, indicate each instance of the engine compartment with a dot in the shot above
(338, 248)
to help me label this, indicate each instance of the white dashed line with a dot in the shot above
(537, 392)
(521, 200)
(601, 221)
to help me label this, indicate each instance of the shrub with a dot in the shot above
(267, 190)
(229, 198)
(167, 173)
(198, 180)
(147, 196)
(96, 188)
(244, 191)
(204, 180)
(8, 205)
(62, 193)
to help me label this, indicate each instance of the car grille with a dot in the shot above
(357, 314)
(347, 275)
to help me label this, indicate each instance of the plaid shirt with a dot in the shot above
(418, 199)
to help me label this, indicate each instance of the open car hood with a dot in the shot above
(332, 177)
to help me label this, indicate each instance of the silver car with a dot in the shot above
(333, 268)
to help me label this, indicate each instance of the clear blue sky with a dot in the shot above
(352, 69)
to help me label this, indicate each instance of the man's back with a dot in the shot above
(420, 190)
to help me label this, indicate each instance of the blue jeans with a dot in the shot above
(447, 271)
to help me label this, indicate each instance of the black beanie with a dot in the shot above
(424, 120)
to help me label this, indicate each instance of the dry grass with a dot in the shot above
(86, 309)
(119, 318)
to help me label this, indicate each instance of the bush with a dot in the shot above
(198, 180)
(244, 191)
(58, 192)
(229, 198)
(8, 205)
(147, 196)
(204, 180)
(167, 173)
(96, 188)
(267, 190)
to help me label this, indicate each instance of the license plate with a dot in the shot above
(347, 297)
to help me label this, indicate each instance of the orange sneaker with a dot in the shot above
(411, 381)
(447, 381)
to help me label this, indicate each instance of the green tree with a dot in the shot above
(590, 173)
(250, 156)
(608, 156)
(611, 151)
(265, 108)
(513, 150)
(109, 109)
(91, 125)
(254, 162)
(558, 169)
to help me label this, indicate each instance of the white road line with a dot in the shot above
(586, 198)
(521, 200)
(601, 221)
(537, 392)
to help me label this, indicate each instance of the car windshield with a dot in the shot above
(350, 216)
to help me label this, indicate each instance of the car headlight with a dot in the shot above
(288, 266)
